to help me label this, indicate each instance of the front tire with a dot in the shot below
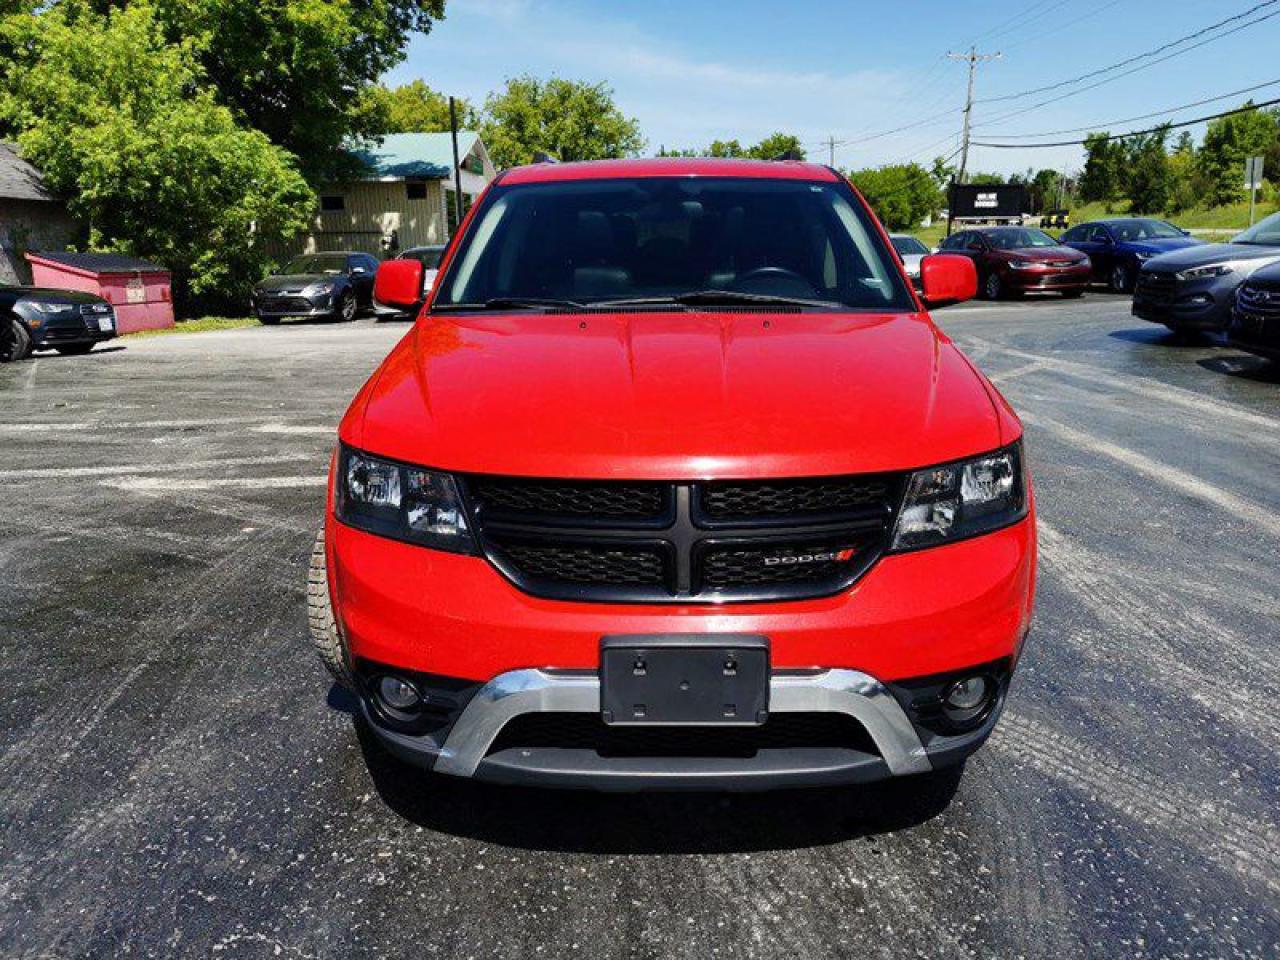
(326, 637)
(347, 308)
(993, 288)
(1121, 279)
(19, 346)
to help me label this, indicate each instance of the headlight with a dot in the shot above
(1213, 270)
(319, 288)
(962, 499)
(401, 502)
(1024, 264)
(49, 308)
(1144, 256)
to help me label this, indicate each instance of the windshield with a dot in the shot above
(1018, 238)
(1125, 230)
(1264, 232)
(429, 257)
(317, 263)
(654, 238)
(908, 246)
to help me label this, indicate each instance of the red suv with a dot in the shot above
(674, 483)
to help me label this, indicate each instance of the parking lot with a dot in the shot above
(178, 778)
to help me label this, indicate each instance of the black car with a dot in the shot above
(1195, 288)
(38, 318)
(1255, 321)
(333, 285)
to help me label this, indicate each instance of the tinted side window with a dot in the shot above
(1073, 235)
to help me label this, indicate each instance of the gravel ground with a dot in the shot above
(178, 779)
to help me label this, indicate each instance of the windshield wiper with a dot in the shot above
(713, 298)
(515, 303)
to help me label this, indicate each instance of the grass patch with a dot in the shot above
(200, 325)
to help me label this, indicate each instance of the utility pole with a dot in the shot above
(974, 58)
(457, 166)
(831, 150)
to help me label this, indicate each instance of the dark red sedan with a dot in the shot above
(1012, 261)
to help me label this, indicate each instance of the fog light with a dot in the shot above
(967, 694)
(398, 694)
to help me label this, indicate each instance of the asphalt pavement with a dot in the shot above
(177, 778)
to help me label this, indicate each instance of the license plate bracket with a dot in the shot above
(684, 680)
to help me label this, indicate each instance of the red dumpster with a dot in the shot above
(141, 292)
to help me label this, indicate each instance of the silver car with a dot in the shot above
(910, 251)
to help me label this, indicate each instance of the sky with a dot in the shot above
(696, 71)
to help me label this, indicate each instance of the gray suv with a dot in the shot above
(1195, 288)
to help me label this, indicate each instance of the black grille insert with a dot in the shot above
(567, 498)
(769, 499)
(586, 731)
(594, 563)
(658, 542)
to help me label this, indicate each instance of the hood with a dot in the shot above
(1159, 245)
(671, 396)
(50, 295)
(293, 281)
(1045, 254)
(1268, 276)
(1205, 254)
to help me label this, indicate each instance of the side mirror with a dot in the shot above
(1185, 233)
(948, 278)
(398, 283)
(358, 271)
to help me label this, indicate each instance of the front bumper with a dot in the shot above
(1030, 281)
(1192, 305)
(292, 306)
(927, 613)
(469, 746)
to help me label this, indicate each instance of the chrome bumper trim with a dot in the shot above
(850, 692)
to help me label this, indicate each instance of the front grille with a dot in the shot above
(586, 731)
(1259, 302)
(510, 496)
(285, 305)
(1158, 286)
(661, 542)
(755, 500)
(598, 564)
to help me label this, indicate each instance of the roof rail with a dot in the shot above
(789, 155)
(543, 157)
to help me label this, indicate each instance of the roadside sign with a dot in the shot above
(1253, 173)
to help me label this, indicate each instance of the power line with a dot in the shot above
(1142, 56)
(1249, 108)
(1102, 125)
(1028, 20)
(1093, 86)
(1063, 26)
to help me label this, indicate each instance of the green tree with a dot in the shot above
(901, 194)
(120, 121)
(1149, 179)
(1103, 169)
(1228, 143)
(415, 108)
(773, 147)
(725, 148)
(297, 71)
(569, 119)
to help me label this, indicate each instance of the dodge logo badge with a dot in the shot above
(828, 556)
